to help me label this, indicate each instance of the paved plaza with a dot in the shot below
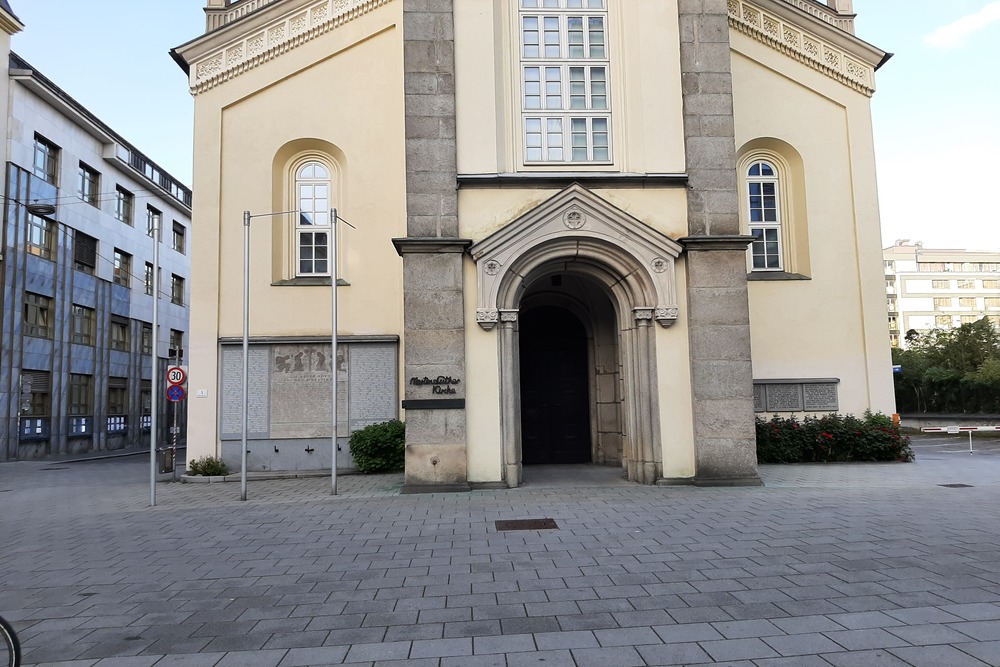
(865, 565)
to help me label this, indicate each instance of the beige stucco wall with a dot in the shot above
(343, 89)
(833, 325)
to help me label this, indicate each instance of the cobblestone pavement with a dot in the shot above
(844, 565)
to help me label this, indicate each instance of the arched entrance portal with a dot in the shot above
(555, 387)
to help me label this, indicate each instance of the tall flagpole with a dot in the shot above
(246, 353)
(333, 342)
(153, 381)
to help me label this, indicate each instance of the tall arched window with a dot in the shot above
(764, 208)
(312, 229)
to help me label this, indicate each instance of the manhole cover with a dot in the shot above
(527, 524)
(956, 486)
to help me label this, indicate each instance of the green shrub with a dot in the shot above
(831, 438)
(379, 447)
(207, 465)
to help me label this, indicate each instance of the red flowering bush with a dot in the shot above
(831, 437)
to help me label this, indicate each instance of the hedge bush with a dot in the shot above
(207, 465)
(831, 438)
(379, 447)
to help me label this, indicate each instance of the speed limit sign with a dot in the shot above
(176, 375)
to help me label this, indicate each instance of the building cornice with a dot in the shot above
(261, 36)
(9, 23)
(810, 40)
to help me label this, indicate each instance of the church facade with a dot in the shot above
(560, 231)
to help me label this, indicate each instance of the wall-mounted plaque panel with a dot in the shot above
(796, 395)
(759, 398)
(784, 397)
(820, 396)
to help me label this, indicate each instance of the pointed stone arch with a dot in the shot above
(578, 232)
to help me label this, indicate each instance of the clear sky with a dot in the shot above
(936, 112)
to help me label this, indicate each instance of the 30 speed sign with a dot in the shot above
(176, 375)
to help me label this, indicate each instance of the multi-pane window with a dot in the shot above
(36, 404)
(46, 164)
(37, 315)
(967, 302)
(176, 289)
(940, 284)
(119, 335)
(123, 268)
(764, 216)
(154, 220)
(117, 404)
(966, 284)
(564, 66)
(145, 404)
(178, 239)
(991, 284)
(84, 325)
(124, 205)
(81, 403)
(84, 252)
(148, 280)
(942, 320)
(312, 229)
(176, 344)
(39, 241)
(992, 302)
(970, 319)
(147, 339)
(88, 185)
(942, 302)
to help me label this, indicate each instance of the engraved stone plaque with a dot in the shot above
(784, 398)
(759, 400)
(300, 390)
(232, 392)
(820, 396)
(373, 385)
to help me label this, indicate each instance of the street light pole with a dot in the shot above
(333, 343)
(154, 363)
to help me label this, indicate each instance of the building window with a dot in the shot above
(145, 404)
(176, 289)
(942, 302)
(46, 166)
(970, 319)
(893, 322)
(117, 405)
(994, 320)
(147, 339)
(119, 335)
(39, 240)
(176, 344)
(966, 284)
(88, 185)
(940, 284)
(154, 220)
(148, 279)
(967, 302)
(84, 252)
(178, 243)
(992, 302)
(124, 205)
(81, 404)
(765, 217)
(312, 230)
(36, 404)
(942, 320)
(991, 284)
(37, 315)
(84, 325)
(564, 67)
(123, 268)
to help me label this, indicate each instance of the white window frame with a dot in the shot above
(550, 127)
(312, 217)
(771, 241)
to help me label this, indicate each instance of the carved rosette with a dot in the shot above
(487, 318)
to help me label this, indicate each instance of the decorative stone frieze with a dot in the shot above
(809, 49)
(274, 38)
(487, 318)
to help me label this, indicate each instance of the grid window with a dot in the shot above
(88, 185)
(147, 339)
(84, 252)
(967, 302)
(764, 216)
(37, 315)
(942, 320)
(46, 164)
(81, 404)
(117, 405)
(119, 335)
(123, 268)
(148, 279)
(39, 241)
(312, 187)
(36, 404)
(84, 325)
(992, 302)
(124, 205)
(991, 284)
(145, 404)
(176, 344)
(154, 220)
(966, 284)
(178, 239)
(940, 284)
(564, 71)
(970, 319)
(176, 289)
(942, 302)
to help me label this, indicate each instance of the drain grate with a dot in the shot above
(527, 524)
(956, 486)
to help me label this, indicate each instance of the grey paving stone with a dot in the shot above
(673, 654)
(859, 640)
(738, 649)
(626, 636)
(561, 658)
(503, 644)
(192, 660)
(743, 629)
(988, 652)
(322, 655)
(979, 630)
(936, 656)
(802, 644)
(252, 659)
(377, 652)
(438, 648)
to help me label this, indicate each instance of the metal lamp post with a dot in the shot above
(154, 363)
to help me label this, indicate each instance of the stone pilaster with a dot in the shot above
(433, 312)
(719, 321)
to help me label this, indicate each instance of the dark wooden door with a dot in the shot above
(555, 401)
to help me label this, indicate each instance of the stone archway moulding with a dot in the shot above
(577, 223)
